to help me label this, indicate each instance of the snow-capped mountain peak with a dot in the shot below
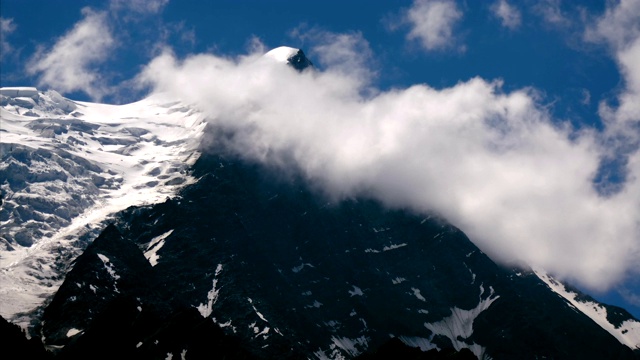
(291, 56)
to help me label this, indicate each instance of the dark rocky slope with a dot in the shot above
(288, 274)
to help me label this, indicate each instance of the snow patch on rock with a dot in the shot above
(206, 309)
(154, 245)
(458, 327)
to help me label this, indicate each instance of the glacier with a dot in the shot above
(67, 167)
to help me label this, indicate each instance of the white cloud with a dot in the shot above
(139, 6)
(509, 15)
(492, 163)
(432, 23)
(551, 12)
(349, 53)
(6, 27)
(619, 27)
(70, 64)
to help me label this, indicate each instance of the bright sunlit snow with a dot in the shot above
(282, 53)
(71, 165)
(73, 332)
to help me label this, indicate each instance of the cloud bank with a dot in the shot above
(494, 163)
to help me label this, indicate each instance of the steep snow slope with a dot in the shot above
(67, 166)
(627, 331)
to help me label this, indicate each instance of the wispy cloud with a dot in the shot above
(491, 162)
(619, 29)
(349, 53)
(431, 23)
(6, 28)
(551, 12)
(139, 6)
(509, 15)
(630, 297)
(70, 64)
(76, 60)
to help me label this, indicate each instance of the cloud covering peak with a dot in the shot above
(494, 163)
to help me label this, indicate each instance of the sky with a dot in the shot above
(518, 121)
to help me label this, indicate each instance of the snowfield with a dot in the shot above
(68, 166)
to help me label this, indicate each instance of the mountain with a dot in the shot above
(191, 252)
(290, 56)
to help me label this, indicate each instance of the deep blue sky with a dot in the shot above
(549, 54)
